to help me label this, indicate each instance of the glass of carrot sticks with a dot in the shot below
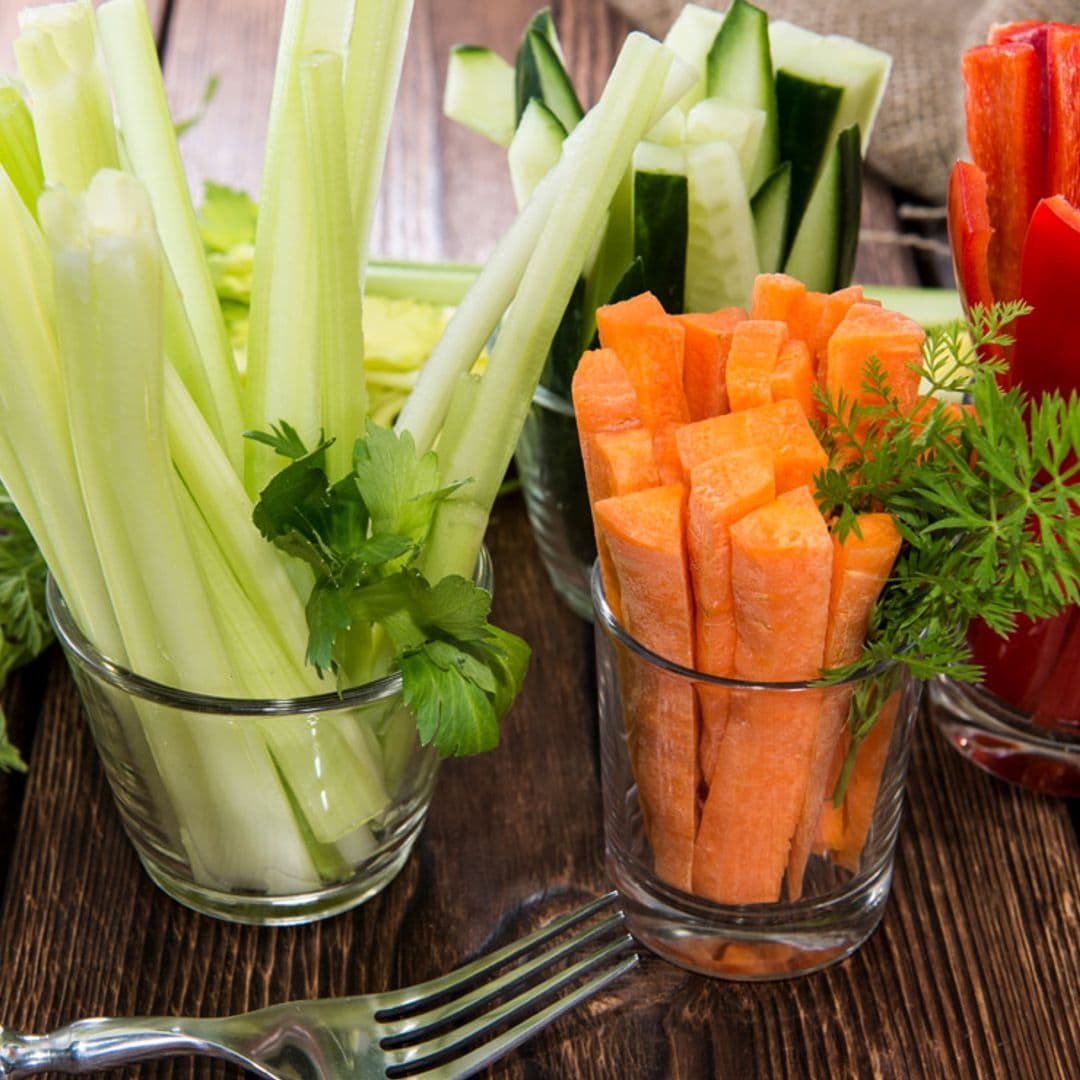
(762, 873)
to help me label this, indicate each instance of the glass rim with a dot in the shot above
(78, 647)
(548, 399)
(1007, 721)
(605, 618)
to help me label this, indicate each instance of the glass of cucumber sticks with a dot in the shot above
(552, 476)
(773, 868)
(198, 827)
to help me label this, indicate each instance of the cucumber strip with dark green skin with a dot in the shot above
(739, 69)
(823, 254)
(806, 110)
(539, 73)
(770, 208)
(565, 351)
(660, 228)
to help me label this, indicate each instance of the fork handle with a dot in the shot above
(89, 1045)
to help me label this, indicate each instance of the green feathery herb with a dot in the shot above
(984, 498)
(361, 536)
(24, 626)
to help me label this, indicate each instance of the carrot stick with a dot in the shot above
(861, 566)
(708, 341)
(793, 377)
(622, 462)
(755, 348)
(722, 491)
(804, 320)
(781, 568)
(650, 345)
(781, 426)
(836, 306)
(776, 296)
(894, 339)
(645, 535)
(604, 401)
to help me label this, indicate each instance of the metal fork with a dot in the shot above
(451, 1026)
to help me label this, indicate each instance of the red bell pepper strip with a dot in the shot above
(1047, 357)
(1003, 107)
(1063, 137)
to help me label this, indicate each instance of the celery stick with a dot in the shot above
(58, 57)
(282, 328)
(372, 73)
(19, 156)
(150, 143)
(339, 347)
(483, 306)
(108, 302)
(431, 283)
(586, 185)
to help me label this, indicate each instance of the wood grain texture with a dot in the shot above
(974, 972)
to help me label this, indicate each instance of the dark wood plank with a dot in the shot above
(974, 972)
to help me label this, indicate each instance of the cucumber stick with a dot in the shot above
(479, 92)
(534, 150)
(661, 220)
(823, 254)
(741, 125)
(539, 73)
(690, 37)
(740, 71)
(770, 208)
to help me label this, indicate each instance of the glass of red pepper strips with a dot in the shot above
(1014, 226)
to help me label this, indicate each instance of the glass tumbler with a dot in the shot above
(266, 812)
(553, 482)
(780, 862)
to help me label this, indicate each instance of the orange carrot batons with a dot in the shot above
(781, 570)
(781, 426)
(644, 534)
(894, 339)
(776, 296)
(836, 306)
(622, 462)
(650, 345)
(862, 563)
(793, 377)
(707, 343)
(722, 491)
(755, 349)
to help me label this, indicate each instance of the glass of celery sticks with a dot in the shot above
(723, 881)
(205, 836)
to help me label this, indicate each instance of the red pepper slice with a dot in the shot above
(1003, 106)
(1034, 33)
(1047, 354)
(970, 232)
(1063, 138)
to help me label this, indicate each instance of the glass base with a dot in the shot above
(1003, 742)
(750, 943)
(260, 909)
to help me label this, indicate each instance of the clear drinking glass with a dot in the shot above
(195, 816)
(553, 482)
(708, 874)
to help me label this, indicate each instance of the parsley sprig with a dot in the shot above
(985, 498)
(361, 535)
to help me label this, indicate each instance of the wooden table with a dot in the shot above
(975, 970)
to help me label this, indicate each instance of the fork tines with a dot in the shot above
(456, 1024)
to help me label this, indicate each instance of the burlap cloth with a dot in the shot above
(920, 130)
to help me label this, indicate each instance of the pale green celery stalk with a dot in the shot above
(150, 145)
(339, 345)
(264, 626)
(19, 156)
(225, 504)
(372, 74)
(60, 62)
(332, 772)
(483, 306)
(107, 263)
(432, 283)
(587, 184)
(282, 330)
